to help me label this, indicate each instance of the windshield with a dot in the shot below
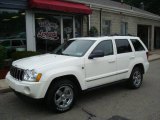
(75, 48)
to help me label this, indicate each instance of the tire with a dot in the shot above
(136, 78)
(61, 96)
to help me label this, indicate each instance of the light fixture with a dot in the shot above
(23, 13)
(40, 18)
(14, 17)
(6, 19)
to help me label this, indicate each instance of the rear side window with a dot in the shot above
(105, 46)
(137, 45)
(123, 46)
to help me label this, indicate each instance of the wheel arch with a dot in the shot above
(141, 66)
(70, 77)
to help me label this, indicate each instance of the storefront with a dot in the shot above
(39, 25)
(53, 29)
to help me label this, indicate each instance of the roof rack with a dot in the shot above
(115, 34)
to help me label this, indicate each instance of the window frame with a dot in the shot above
(108, 27)
(124, 28)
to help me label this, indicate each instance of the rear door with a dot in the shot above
(125, 57)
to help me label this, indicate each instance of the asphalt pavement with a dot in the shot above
(110, 103)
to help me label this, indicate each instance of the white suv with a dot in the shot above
(78, 65)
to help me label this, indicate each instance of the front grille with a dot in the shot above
(17, 73)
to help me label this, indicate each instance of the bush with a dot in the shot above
(93, 32)
(23, 54)
(3, 55)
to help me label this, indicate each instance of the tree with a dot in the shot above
(149, 5)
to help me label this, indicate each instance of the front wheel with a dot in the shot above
(61, 96)
(136, 78)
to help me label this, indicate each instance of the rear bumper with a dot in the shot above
(34, 90)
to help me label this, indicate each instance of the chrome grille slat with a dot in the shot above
(17, 73)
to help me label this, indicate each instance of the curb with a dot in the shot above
(154, 59)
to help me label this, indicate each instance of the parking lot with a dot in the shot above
(110, 103)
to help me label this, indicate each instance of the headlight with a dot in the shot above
(31, 76)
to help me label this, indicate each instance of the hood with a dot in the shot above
(42, 60)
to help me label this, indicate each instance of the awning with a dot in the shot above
(61, 5)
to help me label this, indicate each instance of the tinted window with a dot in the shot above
(123, 46)
(106, 47)
(16, 43)
(137, 45)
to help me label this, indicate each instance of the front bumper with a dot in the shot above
(35, 90)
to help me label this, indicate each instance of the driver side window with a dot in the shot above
(105, 46)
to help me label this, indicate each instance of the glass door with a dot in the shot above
(48, 32)
(67, 28)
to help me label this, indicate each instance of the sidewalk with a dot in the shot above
(5, 88)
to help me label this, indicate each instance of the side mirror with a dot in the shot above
(96, 54)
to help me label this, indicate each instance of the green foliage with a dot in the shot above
(3, 54)
(93, 31)
(149, 5)
(23, 54)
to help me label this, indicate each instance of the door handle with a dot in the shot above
(111, 61)
(132, 57)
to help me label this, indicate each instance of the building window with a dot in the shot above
(78, 26)
(124, 28)
(48, 32)
(106, 27)
(12, 30)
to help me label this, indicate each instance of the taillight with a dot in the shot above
(147, 54)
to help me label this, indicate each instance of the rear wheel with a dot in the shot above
(61, 96)
(136, 78)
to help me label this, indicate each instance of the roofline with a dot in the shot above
(117, 10)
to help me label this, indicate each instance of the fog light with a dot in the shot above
(27, 90)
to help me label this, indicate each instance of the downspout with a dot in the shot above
(100, 21)
(89, 22)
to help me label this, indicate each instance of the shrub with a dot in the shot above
(23, 54)
(3, 55)
(93, 31)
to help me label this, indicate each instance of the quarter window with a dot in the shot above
(123, 46)
(105, 46)
(137, 45)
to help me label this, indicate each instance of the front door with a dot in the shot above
(101, 70)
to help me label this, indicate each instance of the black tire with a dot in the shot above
(136, 78)
(58, 99)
